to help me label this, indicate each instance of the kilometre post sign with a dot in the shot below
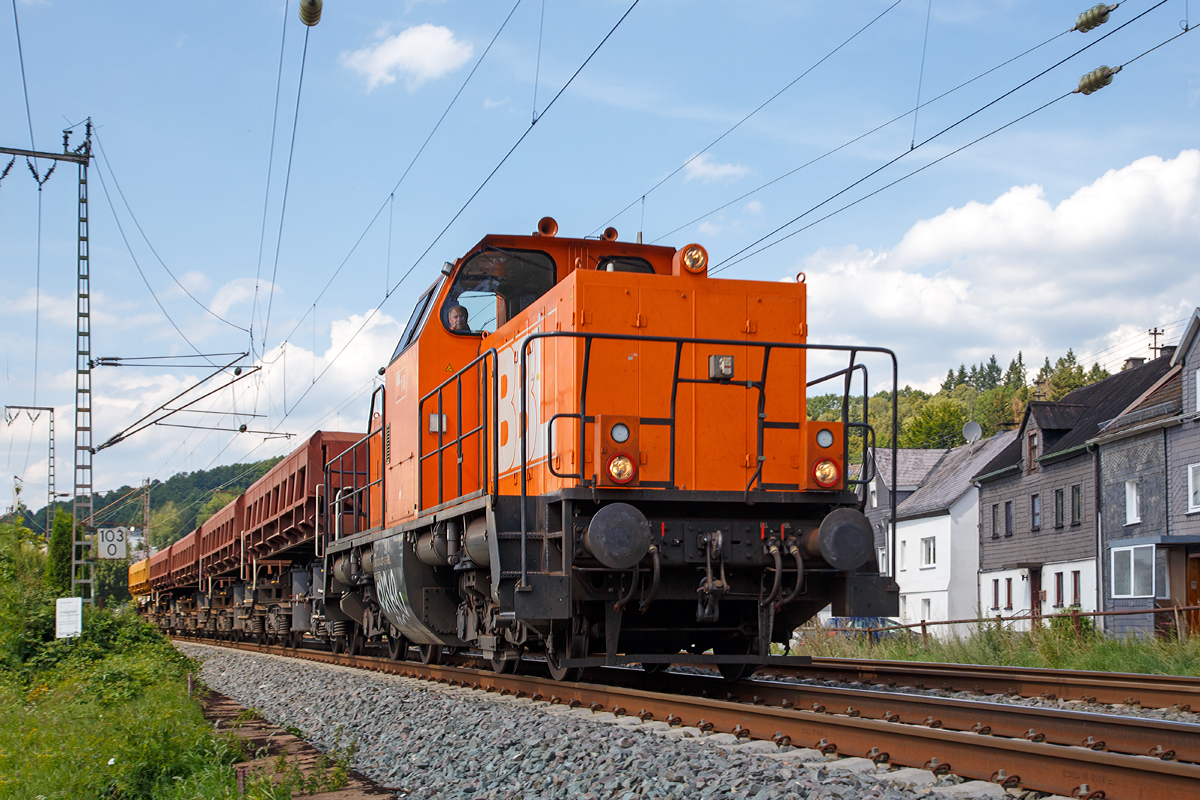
(110, 542)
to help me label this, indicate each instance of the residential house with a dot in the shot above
(1039, 508)
(912, 466)
(1183, 471)
(1134, 518)
(937, 539)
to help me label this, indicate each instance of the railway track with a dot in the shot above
(1110, 688)
(1076, 754)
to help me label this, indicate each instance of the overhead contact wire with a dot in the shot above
(146, 239)
(287, 180)
(730, 260)
(374, 311)
(858, 138)
(262, 235)
(740, 122)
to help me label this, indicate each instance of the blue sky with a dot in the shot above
(1076, 227)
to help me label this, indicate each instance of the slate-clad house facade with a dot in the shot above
(1183, 472)
(938, 541)
(1138, 570)
(1038, 506)
(912, 466)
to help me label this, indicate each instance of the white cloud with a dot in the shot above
(1093, 271)
(420, 53)
(237, 291)
(753, 207)
(489, 103)
(704, 168)
(708, 229)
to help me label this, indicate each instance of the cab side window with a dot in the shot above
(417, 321)
(624, 264)
(493, 286)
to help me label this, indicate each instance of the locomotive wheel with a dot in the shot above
(573, 648)
(503, 666)
(337, 644)
(431, 654)
(355, 641)
(397, 645)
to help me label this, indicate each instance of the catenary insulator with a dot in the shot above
(1094, 17)
(1096, 80)
(310, 12)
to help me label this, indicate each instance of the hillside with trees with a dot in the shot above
(985, 393)
(177, 505)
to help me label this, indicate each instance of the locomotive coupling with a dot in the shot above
(618, 536)
(844, 540)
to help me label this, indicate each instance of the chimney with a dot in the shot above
(1130, 363)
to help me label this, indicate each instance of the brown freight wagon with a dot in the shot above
(221, 540)
(185, 562)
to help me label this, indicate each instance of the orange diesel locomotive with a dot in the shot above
(589, 449)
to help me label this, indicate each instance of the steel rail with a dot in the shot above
(1073, 771)
(1113, 688)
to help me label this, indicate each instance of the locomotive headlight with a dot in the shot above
(620, 468)
(695, 258)
(825, 437)
(620, 433)
(826, 473)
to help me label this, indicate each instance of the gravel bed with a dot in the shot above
(426, 740)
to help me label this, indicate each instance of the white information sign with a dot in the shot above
(68, 617)
(110, 542)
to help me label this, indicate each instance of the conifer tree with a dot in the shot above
(58, 556)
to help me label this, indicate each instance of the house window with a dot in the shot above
(1059, 508)
(1076, 504)
(925, 610)
(874, 496)
(995, 520)
(1008, 518)
(995, 593)
(883, 565)
(1035, 511)
(903, 556)
(1133, 571)
(1033, 450)
(1058, 590)
(1162, 586)
(1076, 588)
(1198, 390)
(929, 552)
(903, 608)
(1132, 512)
(1194, 486)
(1008, 593)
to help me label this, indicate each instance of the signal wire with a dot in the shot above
(731, 259)
(739, 123)
(921, 74)
(24, 85)
(859, 138)
(146, 239)
(371, 315)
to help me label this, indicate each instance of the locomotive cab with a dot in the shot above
(592, 450)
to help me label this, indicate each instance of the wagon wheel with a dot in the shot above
(297, 639)
(566, 646)
(431, 654)
(742, 645)
(337, 644)
(397, 645)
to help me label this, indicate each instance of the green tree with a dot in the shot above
(58, 556)
(948, 384)
(1014, 376)
(938, 424)
(1066, 377)
(961, 377)
(165, 524)
(1097, 373)
(989, 375)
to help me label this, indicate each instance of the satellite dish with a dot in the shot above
(971, 432)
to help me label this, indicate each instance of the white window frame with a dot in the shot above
(1197, 374)
(904, 608)
(928, 552)
(1193, 475)
(926, 609)
(883, 565)
(1133, 511)
(1128, 555)
(903, 555)
(874, 495)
